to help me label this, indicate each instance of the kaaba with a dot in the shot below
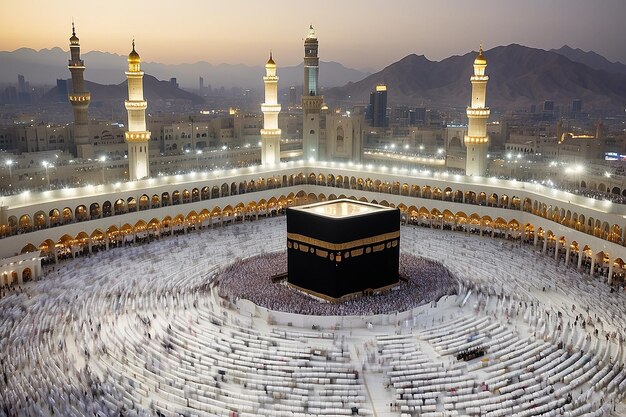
(343, 248)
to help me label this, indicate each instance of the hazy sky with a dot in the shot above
(357, 33)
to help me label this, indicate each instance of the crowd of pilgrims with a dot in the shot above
(55, 332)
(250, 279)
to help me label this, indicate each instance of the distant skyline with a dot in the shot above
(364, 34)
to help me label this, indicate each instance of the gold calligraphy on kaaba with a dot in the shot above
(302, 239)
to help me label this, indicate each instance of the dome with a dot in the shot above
(74, 39)
(133, 57)
(480, 59)
(270, 62)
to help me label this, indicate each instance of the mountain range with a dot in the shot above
(591, 59)
(518, 76)
(46, 65)
(155, 91)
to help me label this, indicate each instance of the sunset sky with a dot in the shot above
(359, 34)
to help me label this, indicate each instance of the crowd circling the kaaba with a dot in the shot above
(250, 279)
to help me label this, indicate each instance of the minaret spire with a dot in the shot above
(270, 134)
(79, 98)
(137, 137)
(476, 140)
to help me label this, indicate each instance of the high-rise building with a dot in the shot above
(577, 105)
(201, 86)
(292, 96)
(378, 106)
(476, 140)
(270, 134)
(311, 100)
(23, 90)
(79, 98)
(21, 83)
(137, 137)
(62, 89)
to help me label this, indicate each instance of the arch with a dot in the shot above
(25, 223)
(224, 190)
(67, 215)
(481, 199)
(55, 217)
(239, 211)
(119, 207)
(153, 227)
(144, 202)
(205, 193)
(155, 201)
(516, 204)
(395, 187)
(81, 214)
(176, 200)
(615, 234)
(195, 195)
(47, 249)
(165, 199)
(39, 220)
(186, 196)
(131, 204)
(98, 240)
(94, 211)
(27, 274)
(29, 248)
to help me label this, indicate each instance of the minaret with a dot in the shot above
(80, 100)
(137, 136)
(270, 134)
(476, 140)
(311, 101)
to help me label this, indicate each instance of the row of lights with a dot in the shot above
(235, 171)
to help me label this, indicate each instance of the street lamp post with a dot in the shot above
(9, 163)
(47, 165)
(103, 159)
(198, 153)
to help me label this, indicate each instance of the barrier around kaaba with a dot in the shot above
(343, 248)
